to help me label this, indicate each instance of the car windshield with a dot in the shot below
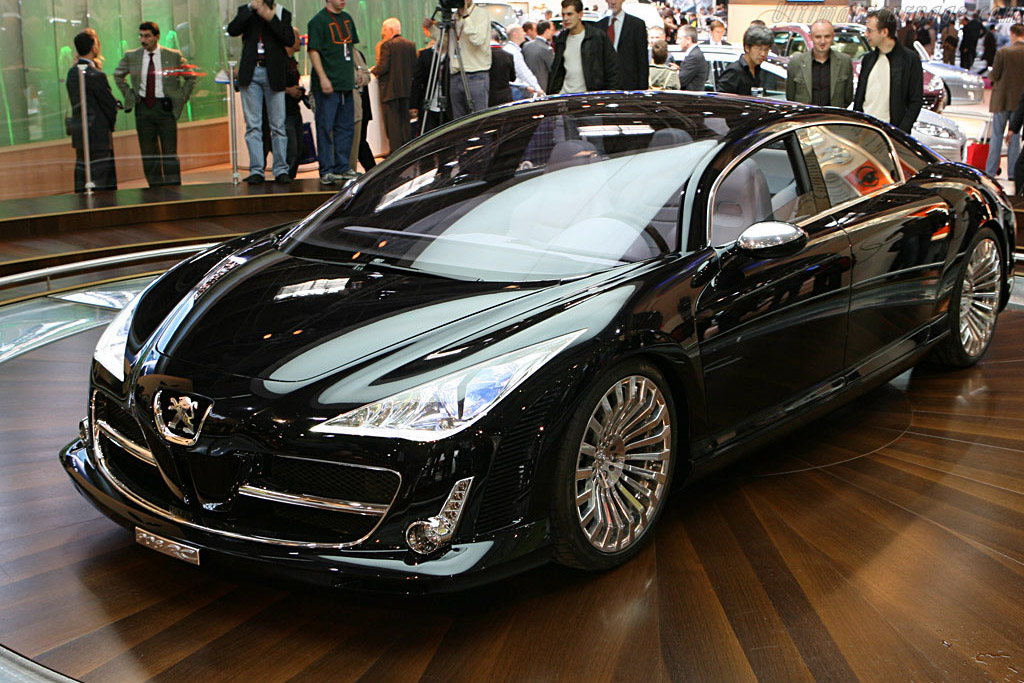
(541, 191)
(852, 42)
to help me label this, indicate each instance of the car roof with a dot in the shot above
(741, 115)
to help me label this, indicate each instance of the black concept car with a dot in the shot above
(507, 343)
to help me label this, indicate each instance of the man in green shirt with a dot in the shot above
(337, 70)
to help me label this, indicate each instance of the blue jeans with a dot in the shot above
(995, 145)
(479, 83)
(253, 97)
(335, 129)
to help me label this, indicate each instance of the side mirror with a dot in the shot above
(770, 239)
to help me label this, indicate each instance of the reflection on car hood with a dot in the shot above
(272, 308)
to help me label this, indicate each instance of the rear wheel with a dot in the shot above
(615, 468)
(974, 305)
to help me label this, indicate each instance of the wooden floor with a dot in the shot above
(884, 543)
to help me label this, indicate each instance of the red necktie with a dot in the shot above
(151, 83)
(611, 30)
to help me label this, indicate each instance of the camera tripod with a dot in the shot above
(438, 94)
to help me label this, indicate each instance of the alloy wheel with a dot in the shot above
(979, 297)
(622, 469)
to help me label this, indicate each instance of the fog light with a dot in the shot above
(427, 535)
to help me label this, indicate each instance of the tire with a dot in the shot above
(601, 519)
(974, 303)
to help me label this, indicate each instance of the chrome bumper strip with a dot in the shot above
(350, 507)
(143, 454)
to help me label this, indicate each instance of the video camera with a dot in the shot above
(451, 5)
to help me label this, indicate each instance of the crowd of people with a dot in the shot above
(484, 67)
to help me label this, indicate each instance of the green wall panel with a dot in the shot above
(36, 50)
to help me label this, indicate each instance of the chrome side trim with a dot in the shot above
(143, 454)
(124, 490)
(352, 507)
(792, 127)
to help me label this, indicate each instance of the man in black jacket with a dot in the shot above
(584, 57)
(972, 30)
(101, 107)
(266, 31)
(744, 75)
(628, 35)
(891, 85)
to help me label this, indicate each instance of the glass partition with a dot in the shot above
(36, 53)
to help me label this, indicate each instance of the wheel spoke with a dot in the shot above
(649, 441)
(649, 457)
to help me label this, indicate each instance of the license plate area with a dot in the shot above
(176, 549)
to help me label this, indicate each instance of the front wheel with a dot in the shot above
(614, 469)
(974, 304)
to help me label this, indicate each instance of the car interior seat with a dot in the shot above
(742, 199)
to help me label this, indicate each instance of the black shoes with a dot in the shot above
(283, 178)
(254, 179)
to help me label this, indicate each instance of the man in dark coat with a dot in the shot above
(394, 71)
(972, 30)
(502, 73)
(896, 94)
(584, 57)
(628, 35)
(101, 108)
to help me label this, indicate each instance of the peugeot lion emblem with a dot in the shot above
(180, 417)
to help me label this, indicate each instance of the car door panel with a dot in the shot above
(771, 330)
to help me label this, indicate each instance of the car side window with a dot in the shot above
(911, 162)
(798, 45)
(855, 160)
(781, 41)
(770, 184)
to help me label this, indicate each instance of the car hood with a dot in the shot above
(271, 316)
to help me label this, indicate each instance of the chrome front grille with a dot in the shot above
(294, 502)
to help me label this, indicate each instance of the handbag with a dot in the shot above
(977, 152)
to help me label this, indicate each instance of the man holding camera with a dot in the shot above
(266, 31)
(337, 70)
(161, 84)
(472, 35)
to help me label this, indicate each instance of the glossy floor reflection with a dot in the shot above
(884, 542)
(31, 324)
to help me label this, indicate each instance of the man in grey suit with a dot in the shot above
(161, 84)
(395, 65)
(538, 54)
(823, 76)
(693, 73)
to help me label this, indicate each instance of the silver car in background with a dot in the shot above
(961, 84)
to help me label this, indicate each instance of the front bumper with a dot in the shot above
(461, 566)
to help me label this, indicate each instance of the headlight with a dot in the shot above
(935, 83)
(934, 131)
(449, 404)
(110, 349)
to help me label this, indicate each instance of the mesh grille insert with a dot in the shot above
(330, 480)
